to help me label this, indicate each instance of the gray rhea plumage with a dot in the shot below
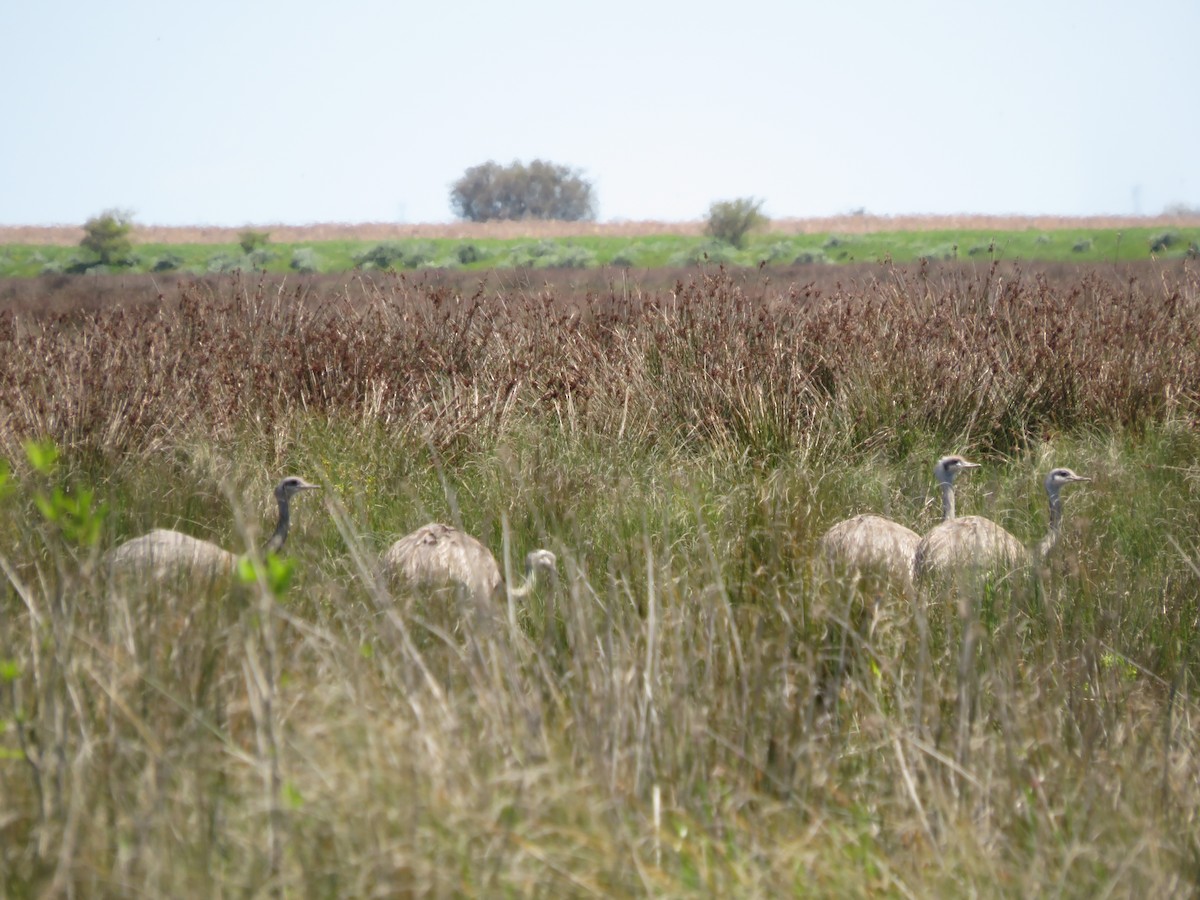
(976, 542)
(163, 553)
(964, 543)
(869, 541)
(437, 555)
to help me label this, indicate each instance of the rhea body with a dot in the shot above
(162, 552)
(874, 542)
(974, 541)
(437, 555)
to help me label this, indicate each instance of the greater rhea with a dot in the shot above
(163, 552)
(437, 555)
(974, 541)
(870, 541)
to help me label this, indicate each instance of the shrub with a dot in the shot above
(1164, 241)
(304, 260)
(416, 255)
(262, 257)
(468, 253)
(779, 250)
(168, 262)
(536, 253)
(79, 266)
(623, 259)
(572, 258)
(809, 257)
(381, 256)
(708, 253)
(941, 253)
(224, 262)
(250, 240)
(107, 236)
(541, 190)
(730, 220)
(1081, 246)
(395, 256)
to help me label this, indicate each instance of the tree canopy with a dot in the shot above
(540, 190)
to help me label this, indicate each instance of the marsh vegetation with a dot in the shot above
(662, 722)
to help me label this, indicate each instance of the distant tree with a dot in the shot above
(1184, 210)
(107, 235)
(541, 190)
(251, 240)
(730, 220)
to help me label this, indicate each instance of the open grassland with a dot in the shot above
(27, 252)
(699, 709)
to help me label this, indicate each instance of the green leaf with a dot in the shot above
(47, 507)
(42, 455)
(279, 573)
(247, 570)
(276, 571)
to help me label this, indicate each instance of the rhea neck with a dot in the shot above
(275, 542)
(527, 586)
(539, 570)
(1051, 538)
(947, 500)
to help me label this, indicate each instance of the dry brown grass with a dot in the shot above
(656, 727)
(991, 356)
(70, 235)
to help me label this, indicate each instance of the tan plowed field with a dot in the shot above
(67, 235)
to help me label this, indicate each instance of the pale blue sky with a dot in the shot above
(234, 113)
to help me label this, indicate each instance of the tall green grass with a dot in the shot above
(665, 722)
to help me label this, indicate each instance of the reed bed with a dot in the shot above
(699, 708)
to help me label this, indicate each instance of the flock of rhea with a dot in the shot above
(873, 542)
(433, 555)
(437, 554)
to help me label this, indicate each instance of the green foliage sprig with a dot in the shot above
(76, 513)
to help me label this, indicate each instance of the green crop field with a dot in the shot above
(624, 251)
(700, 706)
